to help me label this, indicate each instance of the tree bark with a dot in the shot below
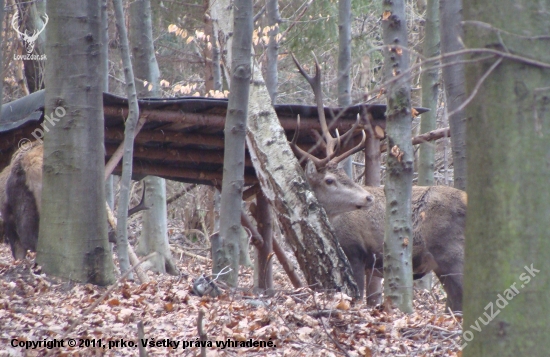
(306, 225)
(453, 79)
(109, 183)
(73, 232)
(430, 92)
(222, 19)
(227, 255)
(344, 52)
(505, 279)
(304, 222)
(344, 65)
(154, 236)
(400, 160)
(271, 73)
(32, 21)
(264, 261)
(129, 130)
(208, 53)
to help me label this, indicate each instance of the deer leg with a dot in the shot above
(358, 269)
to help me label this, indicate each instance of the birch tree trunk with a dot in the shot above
(453, 80)
(506, 282)
(129, 130)
(225, 251)
(73, 232)
(283, 182)
(154, 236)
(398, 239)
(306, 225)
(222, 19)
(109, 183)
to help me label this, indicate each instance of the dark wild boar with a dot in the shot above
(22, 200)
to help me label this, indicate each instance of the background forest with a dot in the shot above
(164, 314)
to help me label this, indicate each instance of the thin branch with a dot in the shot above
(476, 88)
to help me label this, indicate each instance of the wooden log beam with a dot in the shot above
(176, 155)
(205, 177)
(218, 121)
(149, 136)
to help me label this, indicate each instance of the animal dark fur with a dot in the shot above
(20, 200)
(21, 210)
(3, 182)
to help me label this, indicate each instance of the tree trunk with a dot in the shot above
(271, 73)
(216, 66)
(73, 231)
(154, 236)
(320, 257)
(109, 183)
(505, 279)
(227, 255)
(222, 19)
(305, 224)
(372, 178)
(430, 92)
(344, 65)
(31, 20)
(453, 80)
(398, 237)
(129, 130)
(264, 261)
(344, 52)
(208, 53)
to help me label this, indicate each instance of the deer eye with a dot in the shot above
(329, 181)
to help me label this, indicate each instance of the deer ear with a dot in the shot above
(311, 169)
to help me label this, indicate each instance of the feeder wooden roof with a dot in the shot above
(182, 138)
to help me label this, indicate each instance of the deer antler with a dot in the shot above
(332, 145)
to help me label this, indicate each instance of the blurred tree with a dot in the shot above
(505, 279)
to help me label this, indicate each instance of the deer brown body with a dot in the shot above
(438, 216)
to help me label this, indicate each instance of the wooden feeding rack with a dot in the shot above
(182, 138)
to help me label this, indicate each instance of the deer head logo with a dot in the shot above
(28, 39)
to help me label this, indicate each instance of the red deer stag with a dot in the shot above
(438, 216)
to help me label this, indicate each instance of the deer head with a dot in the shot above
(332, 186)
(29, 40)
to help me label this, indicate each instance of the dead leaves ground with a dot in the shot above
(34, 307)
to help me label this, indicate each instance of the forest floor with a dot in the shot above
(35, 308)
